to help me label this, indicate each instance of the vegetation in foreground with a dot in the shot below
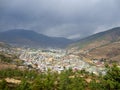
(66, 80)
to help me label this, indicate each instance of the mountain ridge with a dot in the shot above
(101, 45)
(111, 35)
(32, 39)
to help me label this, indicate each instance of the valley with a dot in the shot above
(59, 44)
(91, 53)
(89, 61)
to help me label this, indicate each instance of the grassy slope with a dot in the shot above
(98, 39)
(101, 45)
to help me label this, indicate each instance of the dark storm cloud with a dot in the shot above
(66, 18)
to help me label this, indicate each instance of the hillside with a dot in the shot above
(101, 45)
(4, 45)
(32, 39)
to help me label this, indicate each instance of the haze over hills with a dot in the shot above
(32, 39)
(101, 45)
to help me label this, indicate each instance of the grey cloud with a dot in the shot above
(66, 18)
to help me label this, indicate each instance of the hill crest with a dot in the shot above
(101, 45)
(33, 39)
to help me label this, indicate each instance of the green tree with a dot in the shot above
(112, 78)
(3, 85)
(24, 86)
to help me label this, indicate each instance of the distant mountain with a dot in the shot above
(32, 39)
(98, 39)
(101, 45)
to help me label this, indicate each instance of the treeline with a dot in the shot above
(5, 59)
(10, 59)
(66, 80)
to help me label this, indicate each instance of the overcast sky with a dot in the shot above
(62, 18)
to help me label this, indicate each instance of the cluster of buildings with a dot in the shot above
(55, 60)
